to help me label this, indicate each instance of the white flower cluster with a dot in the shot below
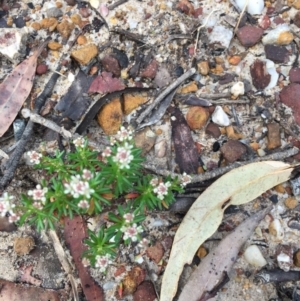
(39, 196)
(34, 157)
(79, 186)
(185, 179)
(124, 134)
(124, 156)
(7, 207)
(161, 189)
(79, 142)
(102, 262)
(131, 232)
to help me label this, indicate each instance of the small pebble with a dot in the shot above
(249, 35)
(54, 12)
(197, 117)
(237, 89)
(219, 117)
(23, 245)
(297, 19)
(232, 150)
(108, 285)
(275, 53)
(291, 202)
(254, 256)
(203, 67)
(145, 292)
(276, 230)
(213, 130)
(260, 76)
(294, 75)
(297, 259)
(273, 135)
(281, 35)
(254, 7)
(41, 69)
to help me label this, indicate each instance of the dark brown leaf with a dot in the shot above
(75, 233)
(15, 89)
(105, 83)
(186, 154)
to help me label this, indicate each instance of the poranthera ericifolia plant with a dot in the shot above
(86, 182)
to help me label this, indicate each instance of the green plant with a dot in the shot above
(85, 182)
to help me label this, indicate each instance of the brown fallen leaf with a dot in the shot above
(186, 155)
(105, 83)
(15, 89)
(11, 291)
(202, 283)
(75, 233)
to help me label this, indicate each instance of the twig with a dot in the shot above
(229, 102)
(116, 4)
(174, 85)
(241, 16)
(64, 262)
(47, 123)
(220, 171)
(215, 95)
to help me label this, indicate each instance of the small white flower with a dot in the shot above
(144, 243)
(85, 262)
(185, 179)
(38, 194)
(124, 134)
(34, 157)
(132, 232)
(13, 218)
(77, 187)
(162, 189)
(154, 182)
(86, 174)
(106, 152)
(123, 157)
(3, 208)
(128, 217)
(79, 142)
(6, 197)
(102, 262)
(84, 204)
(112, 140)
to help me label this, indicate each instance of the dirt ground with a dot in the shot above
(240, 102)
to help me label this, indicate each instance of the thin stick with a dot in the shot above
(229, 102)
(241, 16)
(174, 85)
(116, 4)
(220, 171)
(215, 95)
(64, 262)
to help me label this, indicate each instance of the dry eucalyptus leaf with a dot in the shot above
(210, 273)
(15, 89)
(237, 187)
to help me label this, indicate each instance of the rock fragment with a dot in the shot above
(12, 43)
(23, 245)
(254, 256)
(49, 23)
(203, 67)
(85, 54)
(197, 117)
(133, 101)
(220, 117)
(249, 35)
(260, 77)
(150, 70)
(54, 12)
(233, 150)
(110, 64)
(290, 96)
(273, 135)
(277, 54)
(213, 130)
(145, 292)
(294, 75)
(156, 252)
(65, 28)
(281, 35)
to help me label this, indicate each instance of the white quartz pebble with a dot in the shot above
(255, 7)
(219, 117)
(237, 89)
(254, 256)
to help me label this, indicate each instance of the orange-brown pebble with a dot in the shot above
(234, 60)
(85, 54)
(202, 252)
(36, 26)
(232, 134)
(297, 259)
(200, 170)
(191, 87)
(158, 131)
(76, 19)
(219, 60)
(10, 21)
(81, 40)
(197, 117)
(255, 146)
(58, 4)
(218, 69)
(54, 45)
(279, 188)
(296, 4)
(93, 70)
(65, 28)
(203, 67)
(285, 38)
(49, 23)
(291, 202)
(110, 117)
(133, 101)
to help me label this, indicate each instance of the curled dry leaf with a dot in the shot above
(238, 186)
(219, 262)
(105, 83)
(15, 89)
